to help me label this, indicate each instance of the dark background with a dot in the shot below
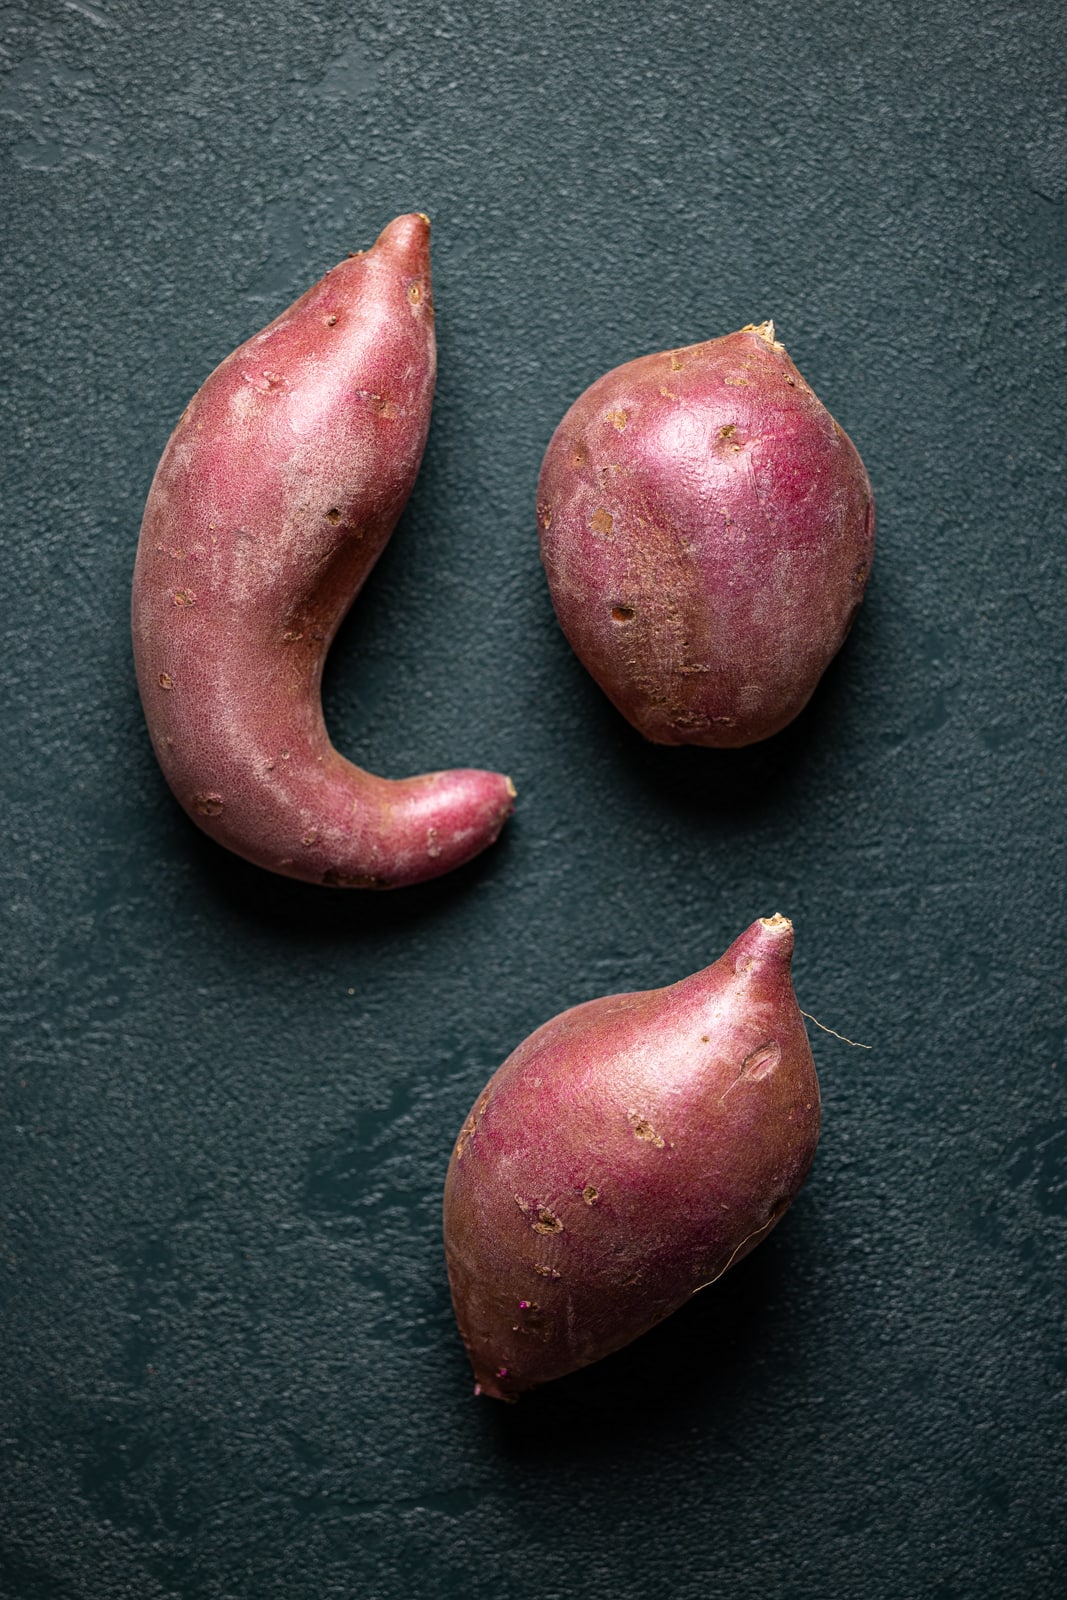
(227, 1355)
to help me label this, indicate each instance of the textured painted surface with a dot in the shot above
(228, 1361)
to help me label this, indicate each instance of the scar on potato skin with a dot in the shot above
(643, 1129)
(468, 1129)
(759, 1062)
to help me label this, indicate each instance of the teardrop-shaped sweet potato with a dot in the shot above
(625, 1156)
(707, 531)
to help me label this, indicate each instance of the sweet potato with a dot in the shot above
(624, 1157)
(707, 532)
(275, 496)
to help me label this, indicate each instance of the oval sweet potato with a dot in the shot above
(707, 531)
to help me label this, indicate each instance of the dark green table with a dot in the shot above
(227, 1360)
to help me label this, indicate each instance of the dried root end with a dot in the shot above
(765, 330)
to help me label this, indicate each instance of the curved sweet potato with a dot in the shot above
(276, 494)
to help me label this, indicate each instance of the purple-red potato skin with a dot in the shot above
(623, 1157)
(707, 531)
(275, 496)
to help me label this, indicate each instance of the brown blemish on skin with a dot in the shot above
(546, 1272)
(166, 681)
(622, 613)
(668, 394)
(618, 419)
(643, 1129)
(468, 1129)
(677, 363)
(184, 597)
(334, 878)
(578, 456)
(290, 636)
(311, 837)
(602, 521)
(737, 383)
(590, 1195)
(544, 516)
(209, 805)
(414, 293)
(729, 431)
(547, 1222)
(331, 321)
(333, 515)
